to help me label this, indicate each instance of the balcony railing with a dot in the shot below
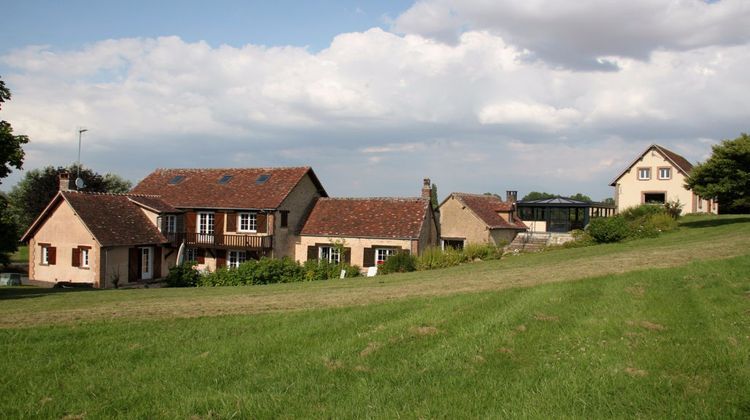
(202, 240)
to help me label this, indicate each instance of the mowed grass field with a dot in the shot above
(651, 328)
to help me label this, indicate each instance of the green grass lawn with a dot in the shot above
(20, 256)
(558, 334)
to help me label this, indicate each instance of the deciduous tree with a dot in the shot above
(725, 175)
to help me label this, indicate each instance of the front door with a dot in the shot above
(147, 263)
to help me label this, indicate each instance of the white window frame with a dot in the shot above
(644, 171)
(84, 257)
(235, 258)
(206, 221)
(170, 223)
(45, 255)
(252, 222)
(669, 173)
(385, 252)
(330, 254)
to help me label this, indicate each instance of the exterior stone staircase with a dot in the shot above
(536, 241)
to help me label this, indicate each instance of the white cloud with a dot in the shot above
(377, 106)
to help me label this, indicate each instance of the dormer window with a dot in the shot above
(262, 179)
(176, 180)
(644, 174)
(665, 173)
(224, 179)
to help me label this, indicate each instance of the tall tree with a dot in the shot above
(434, 197)
(11, 146)
(11, 156)
(725, 175)
(32, 194)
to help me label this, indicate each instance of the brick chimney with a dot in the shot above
(511, 196)
(427, 189)
(64, 181)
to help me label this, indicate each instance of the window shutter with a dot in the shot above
(348, 255)
(221, 258)
(190, 222)
(261, 219)
(369, 257)
(219, 223)
(75, 259)
(200, 256)
(232, 222)
(157, 262)
(132, 264)
(312, 253)
(51, 255)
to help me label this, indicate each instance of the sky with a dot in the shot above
(479, 96)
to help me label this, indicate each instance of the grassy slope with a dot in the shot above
(699, 239)
(657, 343)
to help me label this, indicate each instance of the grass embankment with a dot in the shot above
(670, 342)
(702, 238)
(20, 256)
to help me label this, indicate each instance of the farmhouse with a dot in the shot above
(658, 176)
(230, 215)
(367, 230)
(478, 218)
(99, 239)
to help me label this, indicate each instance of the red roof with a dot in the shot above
(398, 218)
(113, 219)
(486, 207)
(238, 188)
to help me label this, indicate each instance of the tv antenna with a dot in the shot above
(79, 181)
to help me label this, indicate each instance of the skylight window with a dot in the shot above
(262, 179)
(224, 179)
(176, 180)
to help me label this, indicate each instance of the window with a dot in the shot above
(248, 222)
(206, 223)
(235, 258)
(382, 254)
(284, 218)
(262, 179)
(644, 173)
(84, 257)
(170, 224)
(176, 180)
(654, 198)
(191, 254)
(48, 254)
(453, 243)
(329, 253)
(224, 179)
(665, 173)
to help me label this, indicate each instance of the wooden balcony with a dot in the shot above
(201, 240)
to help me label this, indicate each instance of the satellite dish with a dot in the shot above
(79, 183)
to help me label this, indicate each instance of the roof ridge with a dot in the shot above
(112, 194)
(371, 198)
(268, 168)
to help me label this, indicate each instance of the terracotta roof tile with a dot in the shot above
(153, 202)
(486, 207)
(114, 219)
(245, 188)
(682, 163)
(367, 217)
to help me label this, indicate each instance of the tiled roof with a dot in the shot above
(114, 219)
(243, 188)
(397, 218)
(682, 164)
(152, 202)
(486, 207)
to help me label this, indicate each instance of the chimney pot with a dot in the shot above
(426, 189)
(64, 179)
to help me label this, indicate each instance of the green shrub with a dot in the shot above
(674, 208)
(482, 251)
(434, 257)
(183, 275)
(581, 238)
(642, 212)
(662, 222)
(402, 262)
(324, 270)
(263, 271)
(608, 229)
